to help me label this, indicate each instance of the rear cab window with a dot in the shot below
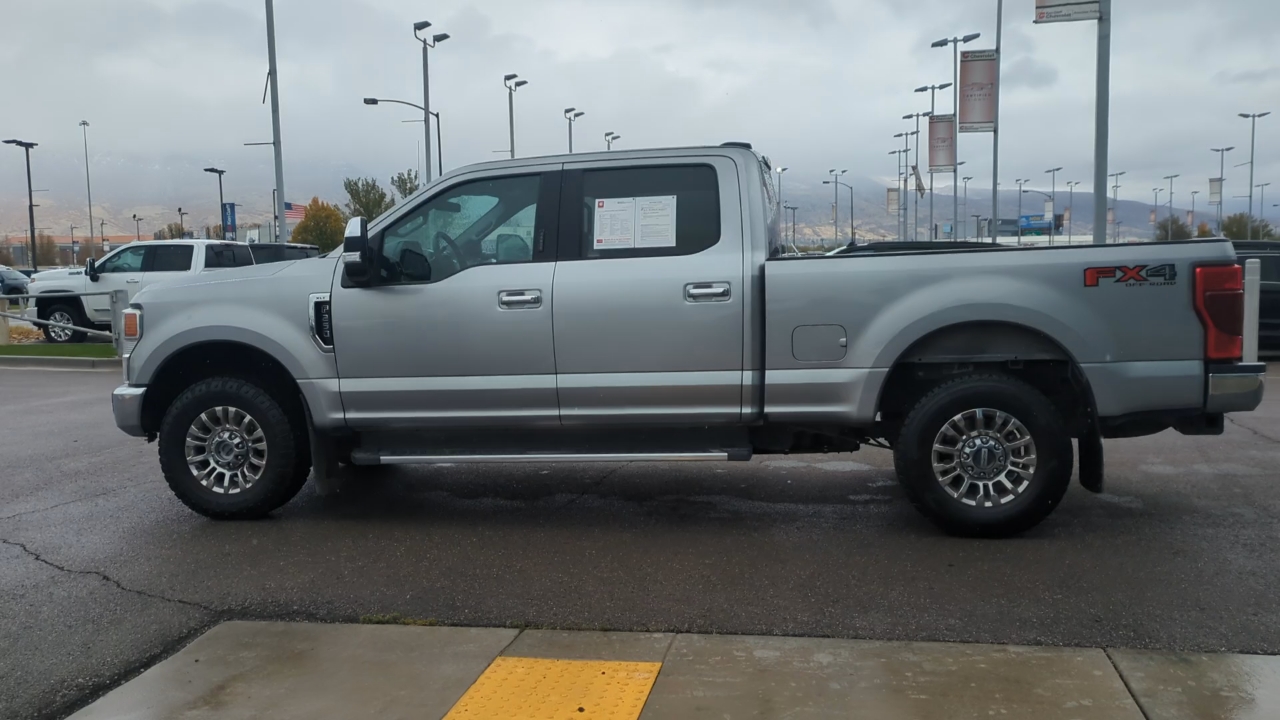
(227, 256)
(169, 258)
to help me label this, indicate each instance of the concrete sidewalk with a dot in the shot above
(317, 672)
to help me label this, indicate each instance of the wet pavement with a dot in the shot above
(102, 572)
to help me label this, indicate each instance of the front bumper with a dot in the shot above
(1235, 388)
(126, 405)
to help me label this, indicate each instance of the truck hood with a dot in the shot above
(48, 275)
(245, 283)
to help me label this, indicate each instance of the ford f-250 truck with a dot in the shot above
(624, 307)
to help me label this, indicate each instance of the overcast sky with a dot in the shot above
(170, 86)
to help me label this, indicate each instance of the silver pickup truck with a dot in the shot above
(633, 306)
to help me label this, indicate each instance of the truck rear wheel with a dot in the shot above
(984, 456)
(229, 451)
(67, 315)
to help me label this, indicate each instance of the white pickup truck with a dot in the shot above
(131, 268)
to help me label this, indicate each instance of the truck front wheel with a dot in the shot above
(65, 315)
(228, 450)
(984, 456)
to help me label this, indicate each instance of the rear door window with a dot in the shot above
(169, 258)
(227, 256)
(660, 211)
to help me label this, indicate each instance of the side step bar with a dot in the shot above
(376, 457)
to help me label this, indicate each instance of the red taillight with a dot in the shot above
(1220, 305)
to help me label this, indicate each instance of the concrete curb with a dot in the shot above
(59, 363)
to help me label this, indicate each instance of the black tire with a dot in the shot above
(284, 471)
(914, 457)
(61, 313)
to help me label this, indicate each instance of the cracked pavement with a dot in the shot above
(102, 572)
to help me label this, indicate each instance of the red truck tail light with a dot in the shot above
(1220, 305)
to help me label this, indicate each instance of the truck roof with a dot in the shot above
(728, 149)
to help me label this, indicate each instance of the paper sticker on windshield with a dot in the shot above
(629, 223)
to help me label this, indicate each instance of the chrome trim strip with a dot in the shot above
(1252, 300)
(552, 458)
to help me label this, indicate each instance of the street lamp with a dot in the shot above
(781, 170)
(428, 113)
(917, 117)
(1171, 178)
(906, 175)
(31, 203)
(1071, 209)
(74, 245)
(137, 227)
(1253, 146)
(511, 105)
(182, 225)
(609, 138)
(1192, 224)
(572, 115)
(221, 202)
(1115, 202)
(955, 44)
(427, 44)
(1155, 209)
(853, 236)
(1053, 216)
(1222, 169)
(1262, 200)
(84, 129)
(792, 209)
(966, 180)
(1020, 182)
(835, 223)
(933, 109)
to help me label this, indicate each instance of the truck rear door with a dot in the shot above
(648, 293)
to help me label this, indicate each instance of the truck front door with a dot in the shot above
(649, 293)
(456, 328)
(121, 271)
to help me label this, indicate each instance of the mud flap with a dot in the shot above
(324, 461)
(1091, 461)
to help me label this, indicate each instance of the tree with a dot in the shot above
(46, 250)
(6, 257)
(406, 183)
(366, 198)
(1236, 227)
(1204, 231)
(172, 231)
(323, 226)
(1180, 229)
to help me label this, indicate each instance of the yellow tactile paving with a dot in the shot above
(516, 688)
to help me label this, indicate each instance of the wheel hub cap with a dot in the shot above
(57, 332)
(226, 450)
(984, 458)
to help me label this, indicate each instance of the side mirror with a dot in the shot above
(357, 260)
(91, 269)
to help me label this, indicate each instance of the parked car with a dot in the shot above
(132, 267)
(624, 307)
(264, 253)
(1268, 252)
(12, 282)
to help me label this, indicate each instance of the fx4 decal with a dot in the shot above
(1136, 276)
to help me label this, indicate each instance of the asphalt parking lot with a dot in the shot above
(102, 572)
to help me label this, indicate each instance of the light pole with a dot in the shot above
(1194, 193)
(853, 237)
(1020, 182)
(977, 227)
(73, 244)
(906, 174)
(84, 129)
(511, 105)
(439, 152)
(933, 108)
(572, 115)
(966, 180)
(1222, 169)
(281, 228)
(781, 170)
(898, 216)
(221, 202)
(182, 225)
(1253, 146)
(427, 44)
(793, 209)
(1071, 209)
(137, 227)
(609, 139)
(1115, 202)
(1053, 199)
(1262, 201)
(1053, 220)
(835, 209)
(917, 117)
(1155, 210)
(1171, 178)
(31, 203)
(955, 44)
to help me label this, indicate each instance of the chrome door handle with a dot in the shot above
(706, 291)
(133, 282)
(520, 299)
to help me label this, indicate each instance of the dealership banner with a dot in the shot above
(1111, 216)
(1191, 220)
(892, 201)
(1053, 11)
(979, 90)
(942, 143)
(1153, 217)
(1215, 191)
(228, 221)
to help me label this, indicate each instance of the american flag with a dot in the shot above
(294, 212)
